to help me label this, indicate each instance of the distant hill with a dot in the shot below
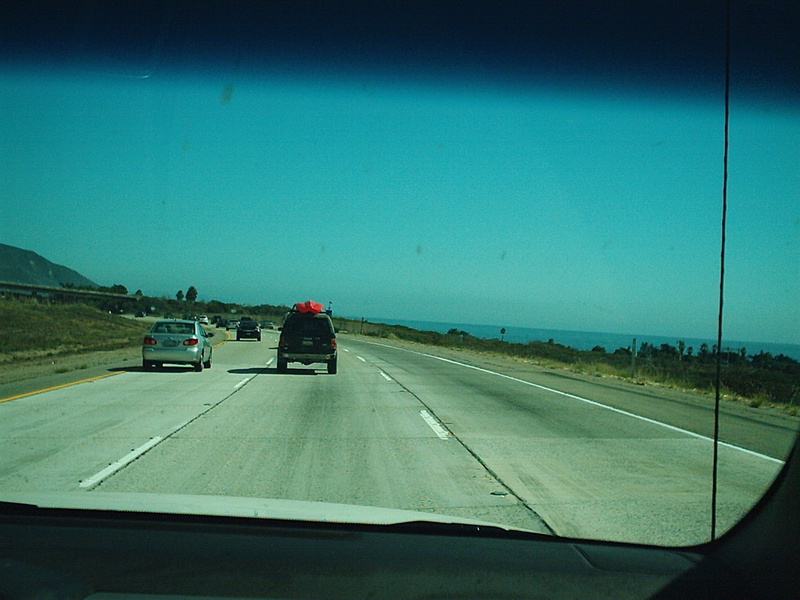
(23, 266)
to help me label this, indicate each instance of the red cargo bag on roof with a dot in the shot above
(309, 306)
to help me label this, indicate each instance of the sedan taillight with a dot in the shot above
(150, 341)
(190, 342)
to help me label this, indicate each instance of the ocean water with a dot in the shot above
(586, 340)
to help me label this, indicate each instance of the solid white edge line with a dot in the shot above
(116, 466)
(592, 402)
(434, 424)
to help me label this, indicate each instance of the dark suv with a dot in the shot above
(307, 338)
(248, 329)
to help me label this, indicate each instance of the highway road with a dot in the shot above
(402, 426)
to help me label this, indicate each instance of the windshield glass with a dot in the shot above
(514, 215)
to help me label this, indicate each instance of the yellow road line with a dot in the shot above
(63, 385)
(55, 387)
(227, 338)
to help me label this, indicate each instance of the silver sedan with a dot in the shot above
(176, 341)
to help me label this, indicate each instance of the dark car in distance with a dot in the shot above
(248, 329)
(307, 338)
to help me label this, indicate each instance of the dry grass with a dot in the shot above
(31, 330)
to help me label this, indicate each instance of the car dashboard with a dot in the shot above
(59, 554)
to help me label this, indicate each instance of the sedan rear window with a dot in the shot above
(180, 328)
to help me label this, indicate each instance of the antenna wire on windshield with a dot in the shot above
(718, 376)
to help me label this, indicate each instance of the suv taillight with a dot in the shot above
(150, 341)
(191, 341)
(333, 343)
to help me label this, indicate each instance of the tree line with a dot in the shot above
(182, 302)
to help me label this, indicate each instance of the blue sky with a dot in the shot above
(552, 207)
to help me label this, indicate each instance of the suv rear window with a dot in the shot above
(302, 325)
